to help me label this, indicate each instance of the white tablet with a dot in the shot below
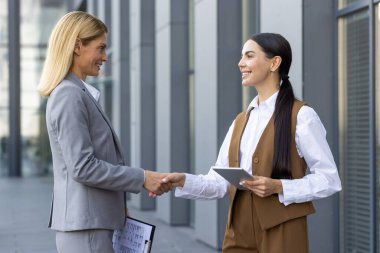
(233, 175)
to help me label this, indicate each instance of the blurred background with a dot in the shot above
(172, 88)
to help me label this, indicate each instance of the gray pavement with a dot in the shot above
(24, 212)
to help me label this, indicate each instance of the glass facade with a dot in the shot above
(4, 94)
(37, 21)
(345, 3)
(355, 128)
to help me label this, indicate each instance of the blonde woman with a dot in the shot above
(90, 177)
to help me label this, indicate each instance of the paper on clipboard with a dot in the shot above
(135, 237)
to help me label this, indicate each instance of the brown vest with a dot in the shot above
(269, 210)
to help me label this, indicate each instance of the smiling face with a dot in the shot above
(254, 65)
(88, 58)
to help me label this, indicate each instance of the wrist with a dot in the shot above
(180, 179)
(279, 186)
(183, 179)
(145, 177)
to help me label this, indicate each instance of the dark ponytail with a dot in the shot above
(276, 45)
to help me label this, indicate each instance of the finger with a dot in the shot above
(252, 182)
(159, 191)
(258, 192)
(167, 179)
(152, 194)
(166, 187)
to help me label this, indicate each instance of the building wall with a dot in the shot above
(217, 100)
(320, 92)
(274, 18)
(172, 102)
(142, 99)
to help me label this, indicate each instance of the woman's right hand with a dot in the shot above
(176, 179)
(172, 179)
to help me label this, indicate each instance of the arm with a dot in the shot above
(69, 121)
(209, 186)
(323, 179)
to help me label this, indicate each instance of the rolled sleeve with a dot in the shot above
(323, 179)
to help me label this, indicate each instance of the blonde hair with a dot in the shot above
(59, 58)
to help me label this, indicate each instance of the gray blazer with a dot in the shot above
(90, 177)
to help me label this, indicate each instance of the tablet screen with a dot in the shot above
(233, 175)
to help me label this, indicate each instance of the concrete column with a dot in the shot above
(172, 102)
(321, 92)
(120, 74)
(217, 99)
(98, 82)
(274, 18)
(14, 141)
(92, 7)
(142, 88)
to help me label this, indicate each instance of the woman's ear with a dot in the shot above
(78, 46)
(276, 62)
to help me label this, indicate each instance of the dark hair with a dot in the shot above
(275, 45)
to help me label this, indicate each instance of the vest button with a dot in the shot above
(256, 160)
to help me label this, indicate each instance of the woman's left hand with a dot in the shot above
(263, 186)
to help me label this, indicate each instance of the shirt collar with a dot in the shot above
(93, 91)
(268, 104)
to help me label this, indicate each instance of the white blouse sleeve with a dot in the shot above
(211, 185)
(312, 145)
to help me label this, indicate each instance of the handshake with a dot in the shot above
(158, 183)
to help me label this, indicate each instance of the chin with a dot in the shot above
(247, 84)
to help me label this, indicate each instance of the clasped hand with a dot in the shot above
(159, 183)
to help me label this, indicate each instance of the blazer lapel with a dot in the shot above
(73, 78)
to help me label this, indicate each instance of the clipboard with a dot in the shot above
(233, 175)
(135, 237)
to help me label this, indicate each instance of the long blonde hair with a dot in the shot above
(59, 58)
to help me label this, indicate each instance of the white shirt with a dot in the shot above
(93, 91)
(311, 143)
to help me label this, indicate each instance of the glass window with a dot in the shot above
(377, 111)
(344, 3)
(354, 132)
(37, 21)
(4, 92)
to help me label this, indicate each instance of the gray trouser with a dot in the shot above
(85, 241)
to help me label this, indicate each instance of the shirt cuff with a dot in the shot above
(281, 197)
(188, 185)
(286, 192)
